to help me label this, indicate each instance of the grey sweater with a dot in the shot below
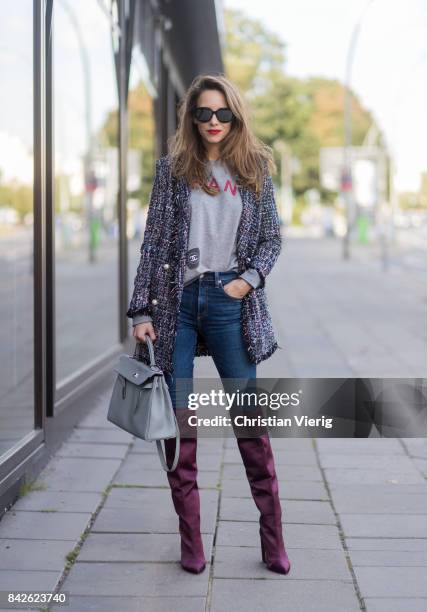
(213, 229)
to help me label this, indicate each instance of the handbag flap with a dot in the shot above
(135, 371)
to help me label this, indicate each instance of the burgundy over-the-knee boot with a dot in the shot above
(258, 460)
(186, 500)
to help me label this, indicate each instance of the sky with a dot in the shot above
(389, 72)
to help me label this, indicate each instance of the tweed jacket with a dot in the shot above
(159, 279)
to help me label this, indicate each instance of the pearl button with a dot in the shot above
(166, 266)
(154, 302)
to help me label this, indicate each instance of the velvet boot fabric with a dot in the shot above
(186, 500)
(257, 456)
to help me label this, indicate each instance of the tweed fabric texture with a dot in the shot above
(159, 279)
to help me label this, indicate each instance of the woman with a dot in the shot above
(212, 236)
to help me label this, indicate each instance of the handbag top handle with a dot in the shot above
(150, 349)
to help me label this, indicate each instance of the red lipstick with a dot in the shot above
(214, 131)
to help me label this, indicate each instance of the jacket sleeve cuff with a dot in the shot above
(137, 319)
(252, 277)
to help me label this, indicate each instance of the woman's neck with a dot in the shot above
(213, 153)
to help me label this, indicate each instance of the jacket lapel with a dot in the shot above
(245, 221)
(183, 202)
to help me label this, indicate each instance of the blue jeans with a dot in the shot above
(206, 308)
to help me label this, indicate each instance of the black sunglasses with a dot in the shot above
(204, 114)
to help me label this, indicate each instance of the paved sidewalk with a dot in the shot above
(354, 515)
(102, 524)
(345, 318)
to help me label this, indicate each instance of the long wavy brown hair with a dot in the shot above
(247, 157)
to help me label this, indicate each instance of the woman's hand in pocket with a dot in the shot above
(238, 286)
(140, 331)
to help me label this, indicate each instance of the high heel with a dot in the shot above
(262, 549)
(186, 500)
(192, 555)
(258, 460)
(280, 565)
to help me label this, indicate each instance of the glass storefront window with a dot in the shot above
(16, 223)
(141, 158)
(86, 185)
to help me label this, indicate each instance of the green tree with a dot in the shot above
(141, 135)
(17, 196)
(251, 51)
(305, 113)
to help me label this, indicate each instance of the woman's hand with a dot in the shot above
(140, 330)
(239, 288)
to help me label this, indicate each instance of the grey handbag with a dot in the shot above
(141, 405)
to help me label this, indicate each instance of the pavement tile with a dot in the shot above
(421, 465)
(144, 510)
(305, 595)
(367, 476)
(280, 444)
(368, 499)
(395, 604)
(134, 471)
(360, 446)
(417, 447)
(145, 461)
(41, 555)
(233, 533)
(98, 435)
(400, 463)
(391, 581)
(100, 604)
(306, 564)
(365, 489)
(66, 474)
(288, 490)
(208, 445)
(281, 457)
(98, 451)
(387, 558)
(244, 509)
(384, 525)
(135, 579)
(97, 418)
(395, 543)
(43, 525)
(118, 547)
(235, 471)
(133, 604)
(28, 580)
(142, 446)
(61, 501)
(316, 370)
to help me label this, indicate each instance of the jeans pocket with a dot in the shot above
(236, 299)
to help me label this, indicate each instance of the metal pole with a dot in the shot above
(281, 148)
(283, 185)
(349, 194)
